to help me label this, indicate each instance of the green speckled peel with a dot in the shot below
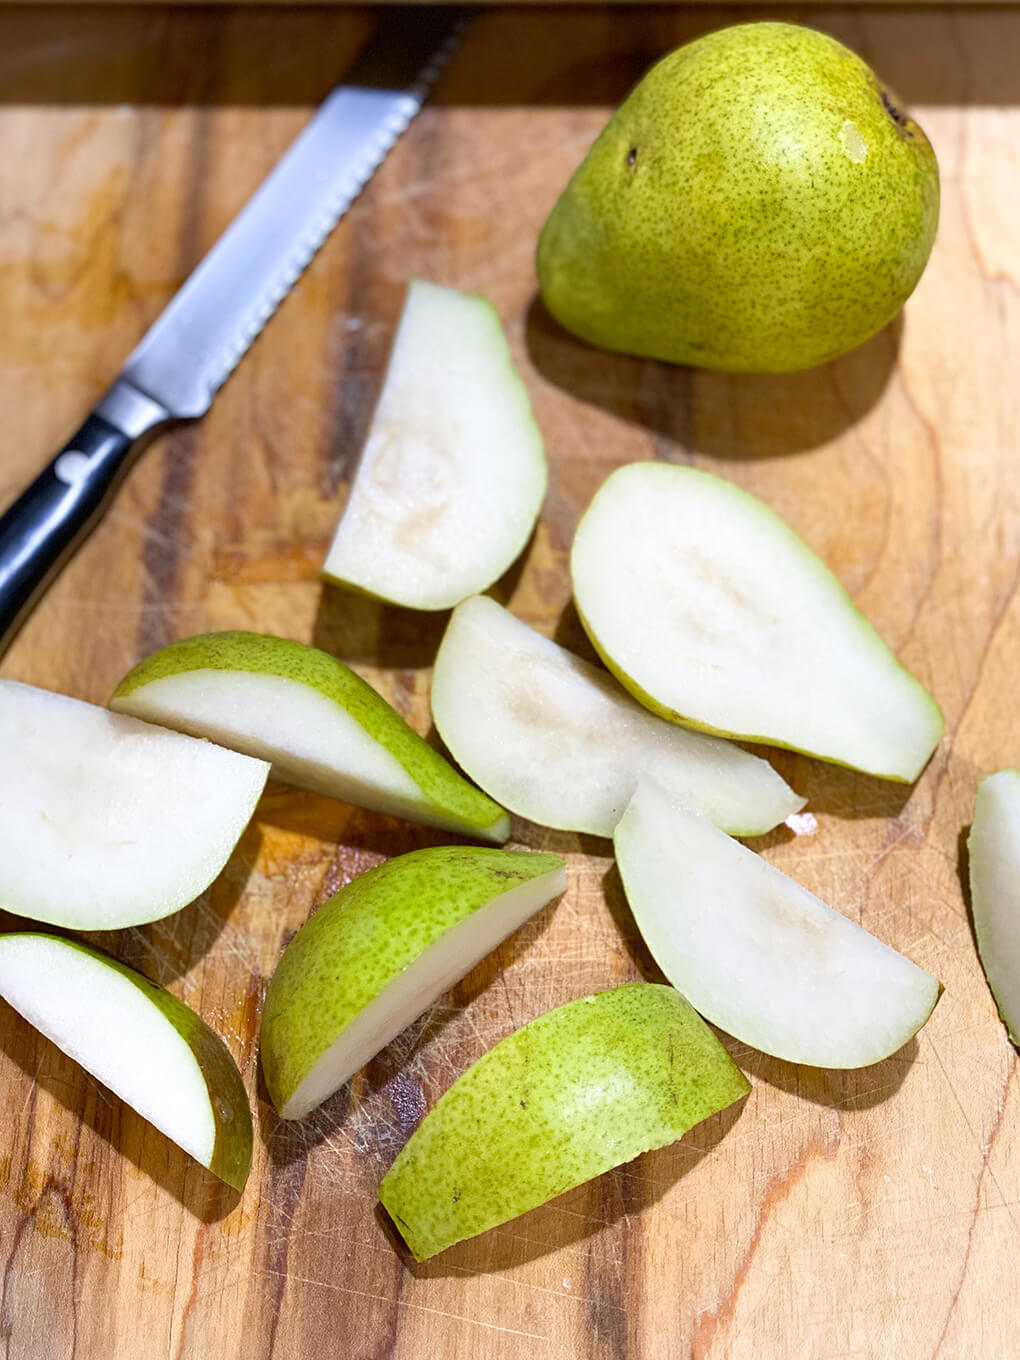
(380, 951)
(207, 686)
(574, 1093)
(76, 996)
(758, 203)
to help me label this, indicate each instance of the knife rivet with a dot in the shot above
(72, 467)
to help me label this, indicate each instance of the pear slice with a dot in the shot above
(558, 741)
(713, 613)
(106, 821)
(149, 1048)
(453, 472)
(757, 954)
(380, 951)
(575, 1092)
(321, 725)
(993, 848)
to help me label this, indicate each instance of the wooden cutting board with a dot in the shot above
(869, 1214)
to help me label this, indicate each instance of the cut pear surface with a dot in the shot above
(994, 852)
(320, 724)
(453, 472)
(558, 741)
(380, 951)
(133, 1036)
(106, 821)
(713, 613)
(577, 1091)
(757, 954)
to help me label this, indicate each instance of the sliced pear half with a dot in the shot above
(380, 951)
(453, 472)
(574, 1093)
(558, 741)
(756, 953)
(149, 1048)
(106, 821)
(994, 852)
(321, 725)
(713, 613)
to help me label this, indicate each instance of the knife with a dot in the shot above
(206, 328)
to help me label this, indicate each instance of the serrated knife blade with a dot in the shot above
(207, 327)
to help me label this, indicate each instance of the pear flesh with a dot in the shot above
(558, 741)
(453, 472)
(994, 852)
(322, 726)
(106, 821)
(380, 951)
(713, 613)
(760, 202)
(575, 1092)
(757, 954)
(150, 1049)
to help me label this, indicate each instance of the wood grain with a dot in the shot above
(869, 1214)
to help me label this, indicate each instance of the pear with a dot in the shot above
(453, 472)
(322, 726)
(133, 1036)
(380, 951)
(106, 821)
(558, 741)
(757, 954)
(760, 202)
(713, 613)
(572, 1094)
(994, 852)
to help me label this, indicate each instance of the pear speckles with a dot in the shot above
(573, 1093)
(782, 215)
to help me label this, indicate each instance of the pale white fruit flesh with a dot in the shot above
(453, 472)
(712, 611)
(757, 954)
(107, 1024)
(558, 741)
(106, 821)
(993, 848)
(309, 738)
(449, 958)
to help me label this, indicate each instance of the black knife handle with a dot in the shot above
(48, 518)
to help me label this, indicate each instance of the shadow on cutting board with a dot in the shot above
(724, 415)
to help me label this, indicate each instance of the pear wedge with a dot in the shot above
(714, 614)
(577, 1091)
(380, 951)
(994, 851)
(322, 726)
(106, 821)
(453, 472)
(757, 954)
(133, 1036)
(558, 741)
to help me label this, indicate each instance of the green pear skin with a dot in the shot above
(372, 936)
(575, 1092)
(446, 799)
(38, 975)
(760, 202)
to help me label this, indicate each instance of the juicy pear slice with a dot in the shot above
(556, 740)
(106, 821)
(577, 1091)
(322, 726)
(380, 951)
(757, 954)
(133, 1036)
(453, 472)
(994, 851)
(713, 613)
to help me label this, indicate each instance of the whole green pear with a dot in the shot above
(760, 202)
